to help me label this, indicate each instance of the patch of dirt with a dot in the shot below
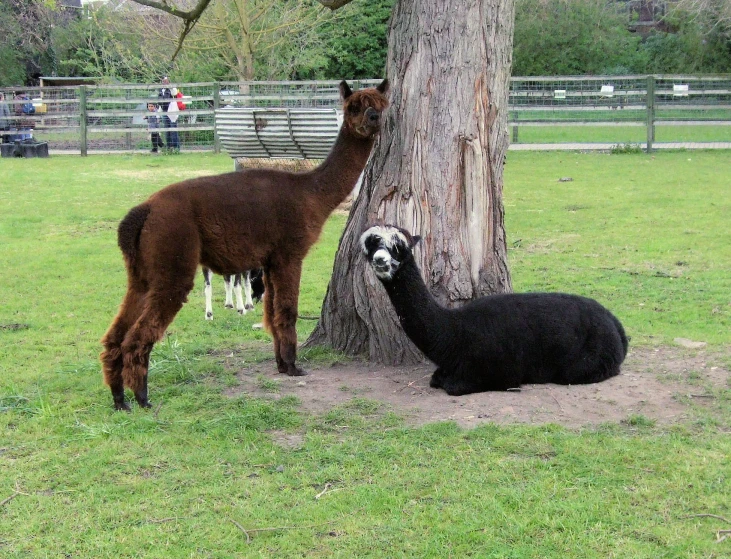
(659, 384)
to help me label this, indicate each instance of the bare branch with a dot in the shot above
(185, 15)
(189, 17)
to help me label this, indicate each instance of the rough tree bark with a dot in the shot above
(436, 170)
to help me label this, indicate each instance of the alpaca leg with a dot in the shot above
(160, 309)
(247, 291)
(111, 357)
(239, 299)
(208, 290)
(229, 303)
(457, 381)
(452, 384)
(457, 386)
(286, 297)
(268, 318)
(436, 378)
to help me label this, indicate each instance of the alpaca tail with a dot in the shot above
(128, 233)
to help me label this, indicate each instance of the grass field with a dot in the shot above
(202, 476)
(562, 133)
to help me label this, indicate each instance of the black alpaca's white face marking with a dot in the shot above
(385, 248)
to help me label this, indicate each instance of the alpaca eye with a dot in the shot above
(371, 244)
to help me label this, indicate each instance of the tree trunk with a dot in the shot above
(436, 170)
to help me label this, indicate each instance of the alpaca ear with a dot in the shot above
(384, 86)
(345, 90)
(415, 240)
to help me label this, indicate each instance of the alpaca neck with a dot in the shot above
(425, 322)
(335, 178)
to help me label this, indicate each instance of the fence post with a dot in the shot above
(216, 105)
(82, 119)
(650, 112)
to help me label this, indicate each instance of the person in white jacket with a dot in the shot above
(173, 141)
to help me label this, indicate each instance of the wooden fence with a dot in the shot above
(300, 119)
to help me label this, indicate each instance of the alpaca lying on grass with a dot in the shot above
(253, 287)
(499, 341)
(257, 218)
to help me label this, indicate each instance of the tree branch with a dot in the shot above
(191, 17)
(334, 4)
(163, 5)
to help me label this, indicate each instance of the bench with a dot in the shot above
(277, 133)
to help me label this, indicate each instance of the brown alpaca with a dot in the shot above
(236, 221)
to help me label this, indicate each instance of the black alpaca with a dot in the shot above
(500, 341)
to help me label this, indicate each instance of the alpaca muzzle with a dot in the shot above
(383, 263)
(372, 116)
(370, 124)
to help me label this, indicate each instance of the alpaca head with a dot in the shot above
(387, 247)
(362, 110)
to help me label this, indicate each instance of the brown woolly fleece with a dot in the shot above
(236, 221)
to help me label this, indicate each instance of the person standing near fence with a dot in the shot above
(165, 93)
(153, 125)
(173, 140)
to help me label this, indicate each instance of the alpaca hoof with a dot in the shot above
(144, 403)
(209, 316)
(249, 307)
(122, 406)
(457, 390)
(436, 378)
(229, 306)
(294, 371)
(242, 312)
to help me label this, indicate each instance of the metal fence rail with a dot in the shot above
(615, 109)
(655, 111)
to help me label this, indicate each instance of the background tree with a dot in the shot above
(713, 15)
(108, 44)
(28, 32)
(699, 39)
(251, 38)
(349, 47)
(12, 71)
(573, 37)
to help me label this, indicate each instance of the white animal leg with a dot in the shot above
(208, 290)
(247, 291)
(239, 299)
(229, 304)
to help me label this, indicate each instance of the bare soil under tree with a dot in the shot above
(662, 385)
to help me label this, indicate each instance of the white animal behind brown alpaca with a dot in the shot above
(251, 281)
(236, 221)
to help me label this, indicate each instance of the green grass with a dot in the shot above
(648, 236)
(559, 133)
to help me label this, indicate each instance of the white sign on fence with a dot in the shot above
(607, 91)
(680, 90)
